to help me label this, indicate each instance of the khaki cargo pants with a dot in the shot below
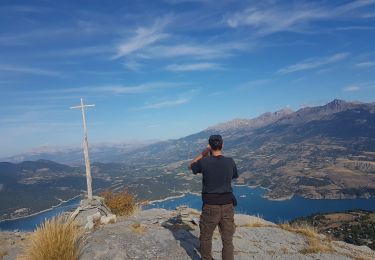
(213, 215)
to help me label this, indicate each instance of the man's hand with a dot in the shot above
(206, 151)
(200, 156)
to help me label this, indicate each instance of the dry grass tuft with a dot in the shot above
(304, 230)
(138, 228)
(2, 254)
(255, 224)
(316, 243)
(97, 223)
(57, 238)
(120, 203)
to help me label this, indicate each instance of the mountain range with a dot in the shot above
(316, 152)
(73, 155)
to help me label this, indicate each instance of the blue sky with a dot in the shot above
(165, 69)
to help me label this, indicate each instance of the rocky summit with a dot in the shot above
(163, 234)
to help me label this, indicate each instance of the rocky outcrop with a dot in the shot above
(171, 235)
(162, 234)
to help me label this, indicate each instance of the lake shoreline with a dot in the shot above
(234, 185)
(42, 211)
(250, 202)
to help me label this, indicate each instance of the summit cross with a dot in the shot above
(86, 149)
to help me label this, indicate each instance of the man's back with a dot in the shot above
(217, 195)
(218, 172)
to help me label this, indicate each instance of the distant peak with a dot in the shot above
(337, 102)
(285, 110)
(259, 121)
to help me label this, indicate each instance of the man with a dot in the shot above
(217, 195)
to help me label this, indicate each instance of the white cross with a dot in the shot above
(86, 149)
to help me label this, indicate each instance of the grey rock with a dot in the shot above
(163, 235)
(111, 218)
(172, 238)
(91, 211)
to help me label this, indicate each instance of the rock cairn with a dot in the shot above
(187, 215)
(92, 212)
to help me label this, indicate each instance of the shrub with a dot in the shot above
(57, 238)
(120, 203)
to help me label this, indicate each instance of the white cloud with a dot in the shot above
(186, 1)
(352, 28)
(114, 89)
(193, 66)
(351, 6)
(29, 70)
(254, 84)
(352, 88)
(201, 51)
(135, 89)
(84, 51)
(24, 38)
(267, 19)
(132, 65)
(366, 64)
(313, 63)
(168, 103)
(143, 37)
(368, 15)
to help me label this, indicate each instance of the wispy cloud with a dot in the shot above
(193, 66)
(29, 70)
(366, 64)
(368, 15)
(266, 19)
(254, 84)
(143, 37)
(168, 103)
(81, 51)
(116, 89)
(24, 38)
(158, 43)
(269, 20)
(23, 9)
(359, 86)
(186, 1)
(201, 51)
(352, 28)
(352, 88)
(313, 63)
(136, 89)
(132, 65)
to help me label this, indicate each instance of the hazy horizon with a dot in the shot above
(48, 148)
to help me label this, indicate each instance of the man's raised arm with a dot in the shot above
(200, 156)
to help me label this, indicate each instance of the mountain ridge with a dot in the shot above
(114, 152)
(319, 152)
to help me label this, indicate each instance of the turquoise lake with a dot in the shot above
(31, 222)
(250, 202)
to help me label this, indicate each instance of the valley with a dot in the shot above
(324, 152)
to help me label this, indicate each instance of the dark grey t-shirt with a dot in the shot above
(217, 172)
